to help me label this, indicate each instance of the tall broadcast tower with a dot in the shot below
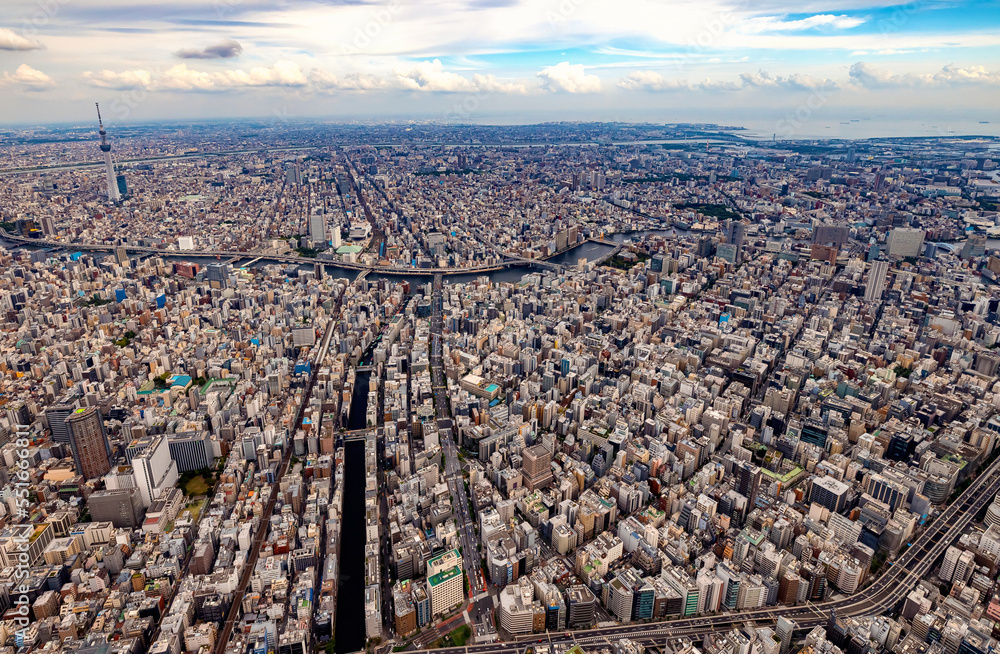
(109, 166)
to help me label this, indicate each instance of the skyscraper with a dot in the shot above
(785, 629)
(975, 246)
(89, 442)
(153, 468)
(739, 236)
(876, 280)
(748, 478)
(536, 466)
(317, 228)
(56, 416)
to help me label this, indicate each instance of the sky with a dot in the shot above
(779, 65)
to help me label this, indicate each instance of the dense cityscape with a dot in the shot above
(570, 387)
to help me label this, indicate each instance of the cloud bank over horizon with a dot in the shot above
(190, 59)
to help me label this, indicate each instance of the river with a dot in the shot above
(513, 274)
(588, 250)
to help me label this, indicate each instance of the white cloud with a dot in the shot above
(708, 84)
(323, 80)
(873, 77)
(795, 81)
(427, 76)
(431, 76)
(570, 78)
(126, 79)
(648, 80)
(182, 78)
(952, 74)
(777, 24)
(11, 40)
(28, 79)
(490, 84)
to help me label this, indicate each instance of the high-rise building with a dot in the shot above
(876, 280)
(89, 442)
(537, 467)
(975, 246)
(784, 630)
(582, 606)
(121, 507)
(56, 416)
(890, 491)
(739, 236)
(49, 226)
(835, 235)
(153, 469)
(317, 228)
(748, 478)
(122, 185)
(905, 242)
(830, 493)
(191, 450)
(444, 581)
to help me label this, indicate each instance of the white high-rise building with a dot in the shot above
(785, 629)
(951, 556)
(876, 280)
(154, 470)
(445, 581)
(335, 235)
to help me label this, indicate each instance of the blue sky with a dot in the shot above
(496, 60)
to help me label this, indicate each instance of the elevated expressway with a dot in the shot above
(884, 594)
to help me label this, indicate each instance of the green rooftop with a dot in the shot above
(444, 576)
(785, 478)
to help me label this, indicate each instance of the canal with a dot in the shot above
(349, 629)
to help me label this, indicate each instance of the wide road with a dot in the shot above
(236, 608)
(452, 467)
(883, 595)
